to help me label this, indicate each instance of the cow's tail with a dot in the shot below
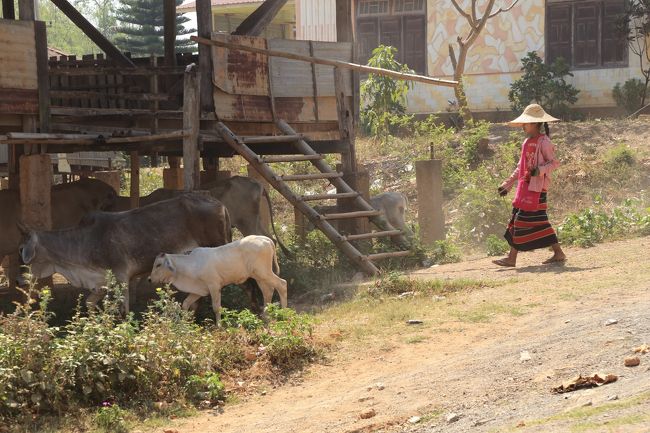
(285, 250)
(276, 266)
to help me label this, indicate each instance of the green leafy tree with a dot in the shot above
(383, 98)
(635, 23)
(141, 28)
(62, 34)
(544, 84)
(629, 96)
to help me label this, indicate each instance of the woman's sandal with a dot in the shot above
(504, 263)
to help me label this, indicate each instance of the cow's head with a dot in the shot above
(163, 270)
(33, 254)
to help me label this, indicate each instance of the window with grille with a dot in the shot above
(586, 33)
(399, 23)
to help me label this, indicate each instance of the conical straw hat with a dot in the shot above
(534, 113)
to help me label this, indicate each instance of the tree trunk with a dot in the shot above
(459, 90)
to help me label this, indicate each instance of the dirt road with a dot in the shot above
(467, 357)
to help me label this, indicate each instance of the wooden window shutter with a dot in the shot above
(415, 42)
(559, 33)
(614, 43)
(586, 35)
(368, 37)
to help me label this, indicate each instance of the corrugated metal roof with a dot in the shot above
(191, 6)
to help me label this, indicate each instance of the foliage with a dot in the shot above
(635, 23)
(111, 418)
(62, 34)
(496, 246)
(629, 96)
(384, 98)
(595, 225)
(141, 28)
(103, 360)
(544, 84)
(444, 252)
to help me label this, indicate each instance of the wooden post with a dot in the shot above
(210, 171)
(27, 10)
(265, 212)
(43, 76)
(300, 224)
(8, 10)
(169, 8)
(344, 17)
(191, 124)
(430, 214)
(261, 17)
(204, 30)
(135, 180)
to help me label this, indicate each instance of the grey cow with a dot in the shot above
(70, 203)
(126, 243)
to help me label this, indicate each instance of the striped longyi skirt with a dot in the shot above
(530, 230)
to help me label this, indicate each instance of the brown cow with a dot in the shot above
(126, 243)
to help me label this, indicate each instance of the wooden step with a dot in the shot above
(290, 158)
(314, 197)
(373, 235)
(315, 176)
(351, 215)
(262, 139)
(381, 256)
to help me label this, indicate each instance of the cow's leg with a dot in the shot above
(215, 294)
(95, 296)
(267, 291)
(190, 301)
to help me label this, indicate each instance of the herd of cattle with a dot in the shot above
(94, 231)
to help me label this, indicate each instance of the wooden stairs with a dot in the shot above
(363, 209)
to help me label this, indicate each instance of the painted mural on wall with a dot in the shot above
(494, 61)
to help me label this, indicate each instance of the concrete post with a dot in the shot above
(111, 178)
(429, 186)
(173, 176)
(35, 195)
(265, 212)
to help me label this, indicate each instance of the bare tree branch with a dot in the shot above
(452, 56)
(503, 10)
(463, 13)
(474, 10)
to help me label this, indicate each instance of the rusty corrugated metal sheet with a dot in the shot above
(244, 73)
(316, 20)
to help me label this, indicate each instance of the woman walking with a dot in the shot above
(529, 227)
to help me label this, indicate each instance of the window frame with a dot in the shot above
(601, 4)
(400, 16)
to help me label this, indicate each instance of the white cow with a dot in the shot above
(205, 271)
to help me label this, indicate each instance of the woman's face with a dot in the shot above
(531, 129)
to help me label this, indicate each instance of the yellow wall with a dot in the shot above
(494, 61)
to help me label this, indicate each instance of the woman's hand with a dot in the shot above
(502, 191)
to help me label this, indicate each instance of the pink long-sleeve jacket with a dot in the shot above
(546, 163)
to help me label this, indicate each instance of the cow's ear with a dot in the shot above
(27, 252)
(24, 230)
(168, 264)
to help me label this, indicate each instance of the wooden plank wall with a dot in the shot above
(19, 77)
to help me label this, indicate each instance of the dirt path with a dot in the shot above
(468, 361)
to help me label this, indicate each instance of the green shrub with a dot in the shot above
(383, 99)
(629, 95)
(100, 357)
(207, 387)
(621, 155)
(496, 246)
(444, 252)
(595, 225)
(111, 419)
(544, 84)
